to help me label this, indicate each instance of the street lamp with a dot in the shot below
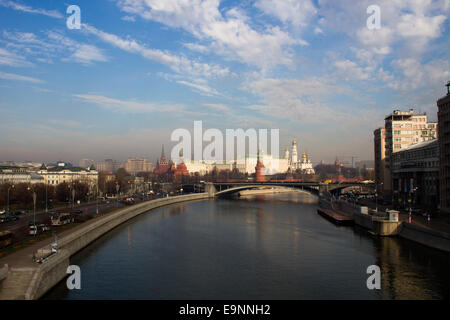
(9, 188)
(117, 194)
(34, 209)
(376, 195)
(46, 197)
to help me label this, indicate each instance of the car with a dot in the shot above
(8, 216)
(77, 211)
(20, 212)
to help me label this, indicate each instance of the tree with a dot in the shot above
(63, 192)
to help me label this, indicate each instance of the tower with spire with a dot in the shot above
(260, 170)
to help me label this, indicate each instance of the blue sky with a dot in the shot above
(139, 69)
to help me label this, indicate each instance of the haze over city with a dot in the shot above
(137, 70)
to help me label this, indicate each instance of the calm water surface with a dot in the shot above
(257, 247)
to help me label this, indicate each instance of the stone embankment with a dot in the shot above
(29, 280)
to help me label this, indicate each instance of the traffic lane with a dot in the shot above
(24, 220)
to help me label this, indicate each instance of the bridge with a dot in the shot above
(222, 189)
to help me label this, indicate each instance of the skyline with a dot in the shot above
(137, 70)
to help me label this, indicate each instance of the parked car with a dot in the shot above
(38, 229)
(20, 212)
(8, 216)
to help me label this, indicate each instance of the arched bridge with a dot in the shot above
(316, 188)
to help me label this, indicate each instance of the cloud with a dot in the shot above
(127, 106)
(409, 23)
(227, 34)
(24, 8)
(349, 70)
(87, 54)
(304, 100)
(16, 77)
(128, 18)
(12, 59)
(179, 64)
(296, 12)
(203, 89)
(46, 49)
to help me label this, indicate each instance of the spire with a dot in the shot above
(162, 152)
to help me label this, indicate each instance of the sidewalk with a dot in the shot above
(441, 223)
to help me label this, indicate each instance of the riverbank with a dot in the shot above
(431, 236)
(28, 280)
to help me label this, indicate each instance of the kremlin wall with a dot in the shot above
(264, 162)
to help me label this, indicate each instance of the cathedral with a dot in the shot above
(303, 164)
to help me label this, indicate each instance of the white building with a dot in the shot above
(304, 164)
(19, 174)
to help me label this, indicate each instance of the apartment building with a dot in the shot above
(401, 129)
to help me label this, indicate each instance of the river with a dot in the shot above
(256, 247)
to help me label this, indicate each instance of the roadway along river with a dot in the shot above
(256, 247)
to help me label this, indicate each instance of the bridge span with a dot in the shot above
(316, 188)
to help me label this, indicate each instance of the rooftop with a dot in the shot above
(418, 145)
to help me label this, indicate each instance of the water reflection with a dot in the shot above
(270, 247)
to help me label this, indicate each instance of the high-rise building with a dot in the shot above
(86, 163)
(136, 165)
(443, 105)
(107, 165)
(401, 129)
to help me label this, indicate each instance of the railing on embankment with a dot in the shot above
(425, 236)
(33, 283)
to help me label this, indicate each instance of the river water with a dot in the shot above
(256, 247)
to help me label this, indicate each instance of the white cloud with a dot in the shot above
(127, 106)
(202, 88)
(177, 63)
(11, 76)
(87, 54)
(349, 70)
(228, 35)
(128, 18)
(413, 23)
(299, 100)
(55, 45)
(12, 59)
(28, 9)
(297, 12)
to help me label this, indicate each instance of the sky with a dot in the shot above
(136, 70)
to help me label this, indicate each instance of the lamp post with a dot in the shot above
(117, 194)
(376, 196)
(46, 197)
(96, 198)
(34, 208)
(9, 188)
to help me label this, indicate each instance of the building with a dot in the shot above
(415, 175)
(272, 165)
(19, 174)
(259, 171)
(443, 105)
(136, 165)
(181, 169)
(162, 166)
(108, 165)
(304, 164)
(86, 163)
(63, 173)
(401, 129)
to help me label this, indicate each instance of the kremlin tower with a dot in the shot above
(181, 169)
(260, 171)
(294, 152)
(162, 166)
